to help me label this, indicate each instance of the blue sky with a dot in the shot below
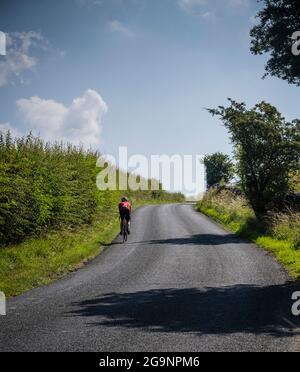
(134, 73)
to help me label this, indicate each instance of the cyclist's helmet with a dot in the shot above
(124, 199)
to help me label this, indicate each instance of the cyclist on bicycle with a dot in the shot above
(125, 212)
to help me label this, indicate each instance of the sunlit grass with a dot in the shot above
(281, 238)
(40, 261)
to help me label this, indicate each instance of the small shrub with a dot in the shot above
(287, 227)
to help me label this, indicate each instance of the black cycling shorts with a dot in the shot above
(125, 213)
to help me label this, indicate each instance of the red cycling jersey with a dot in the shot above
(125, 205)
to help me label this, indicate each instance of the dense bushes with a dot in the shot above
(44, 186)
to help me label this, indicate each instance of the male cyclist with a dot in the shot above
(125, 212)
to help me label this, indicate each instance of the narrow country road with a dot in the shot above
(181, 283)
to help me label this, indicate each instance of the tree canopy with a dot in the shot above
(267, 149)
(219, 168)
(278, 21)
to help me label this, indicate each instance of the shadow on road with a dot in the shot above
(200, 239)
(110, 244)
(236, 309)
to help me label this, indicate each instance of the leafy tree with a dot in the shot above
(267, 149)
(278, 21)
(219, 168)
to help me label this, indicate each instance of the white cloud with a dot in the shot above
(198, 7)
(118, 27)
(188, 5)
(191, 5)
(238, 2)
(209, 16)
(80, 123)
(90, 3)
(4, 128)
(19, 57)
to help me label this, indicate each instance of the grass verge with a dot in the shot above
(281, 238)
(40, 261)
